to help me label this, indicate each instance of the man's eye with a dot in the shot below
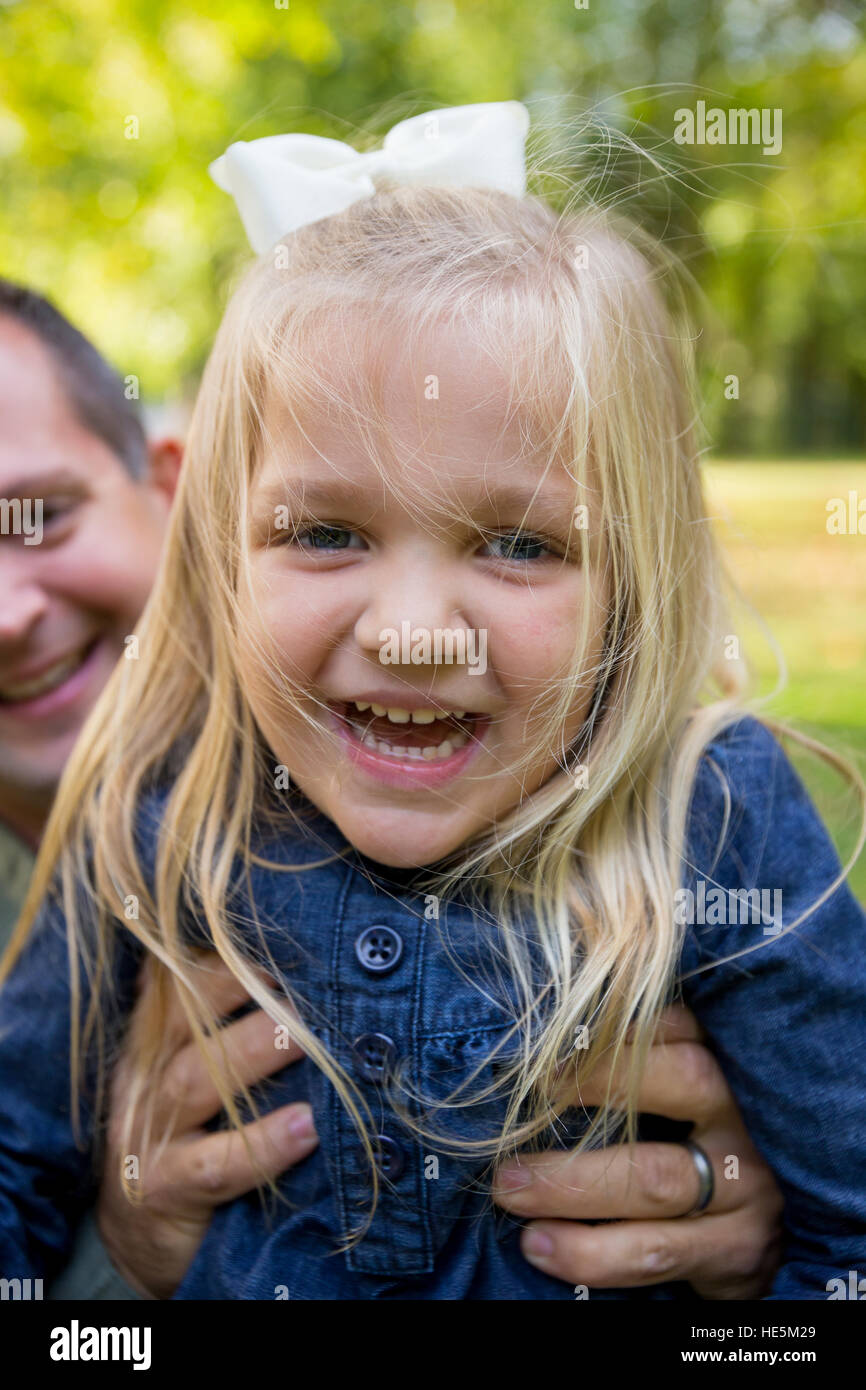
(520, 545)
(323, 537)
(55, 511)
(47, 516)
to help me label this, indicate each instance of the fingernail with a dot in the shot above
(538, 1244)
(514, 1178)
(302, 1125)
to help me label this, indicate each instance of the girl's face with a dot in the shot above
(360, 599)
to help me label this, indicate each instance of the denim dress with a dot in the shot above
(403, 991)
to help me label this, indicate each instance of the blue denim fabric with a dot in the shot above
(788, 1023)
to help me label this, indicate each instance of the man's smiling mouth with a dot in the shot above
(49, 679)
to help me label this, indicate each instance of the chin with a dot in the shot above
(405, 857)
(398, 837)
(40, 778)
(397, 850)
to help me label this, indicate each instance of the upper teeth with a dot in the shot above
(403, 716)
(54, 676)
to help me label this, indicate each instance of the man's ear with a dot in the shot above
(165, 457)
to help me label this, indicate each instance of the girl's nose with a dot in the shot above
(414, 600)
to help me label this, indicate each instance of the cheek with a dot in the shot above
(278, 628)
(109, 565)
(534, 643)
(283, 617)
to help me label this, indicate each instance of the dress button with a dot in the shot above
(390, 1158)
(379, 949)
(374, 1053)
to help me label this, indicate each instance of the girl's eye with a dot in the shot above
(323, 537)
(516, 546)
(520, 545)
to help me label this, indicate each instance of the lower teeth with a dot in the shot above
(429, 753)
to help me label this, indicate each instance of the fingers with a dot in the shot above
(215, 983)
(731, 1249)
(216, 1168)
(639, 1182)
(676, 1024)
(682, 1081)
(643, 1191)
(188, 1096)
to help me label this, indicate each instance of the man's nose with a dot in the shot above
(22, 604)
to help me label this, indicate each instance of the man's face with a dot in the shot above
(67, 603)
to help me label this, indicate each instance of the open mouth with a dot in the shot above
(25, 692)
(423, 735)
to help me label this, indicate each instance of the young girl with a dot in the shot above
(428, 730)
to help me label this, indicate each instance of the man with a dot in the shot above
(73, 454)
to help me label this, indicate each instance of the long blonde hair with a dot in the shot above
(576, 301)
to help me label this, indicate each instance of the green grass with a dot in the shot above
(807, 590)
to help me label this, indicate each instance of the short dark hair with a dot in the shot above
(94, 389)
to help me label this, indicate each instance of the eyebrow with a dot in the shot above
(34, 484)
(502, 497)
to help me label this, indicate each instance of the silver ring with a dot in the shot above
(706, 1180)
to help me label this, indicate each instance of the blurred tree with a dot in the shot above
(111, 112)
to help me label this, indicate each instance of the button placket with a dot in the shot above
(377, 974)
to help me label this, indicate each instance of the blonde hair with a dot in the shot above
(602, 375)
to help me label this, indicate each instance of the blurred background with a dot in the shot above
(111, 112)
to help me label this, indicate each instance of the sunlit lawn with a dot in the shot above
(810, 589)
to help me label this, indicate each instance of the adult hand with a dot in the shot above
(730, 1251)
(152, 1243)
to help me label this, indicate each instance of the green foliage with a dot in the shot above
(804, 595)
(140, 248)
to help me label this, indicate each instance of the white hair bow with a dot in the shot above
(283, 182)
